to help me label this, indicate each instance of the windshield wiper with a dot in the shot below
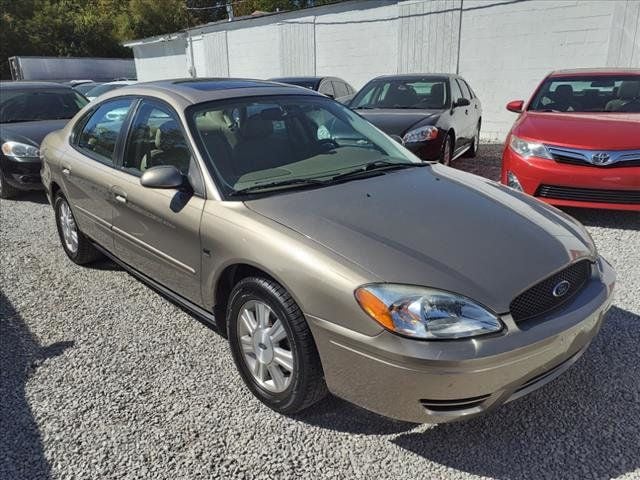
(374, 168)
(366, 107)
(293, 182)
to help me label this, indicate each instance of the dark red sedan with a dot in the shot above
(577, 140)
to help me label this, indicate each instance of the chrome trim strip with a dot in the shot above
(595, 157)
(461, 152)
(101, 221)
(153, 250)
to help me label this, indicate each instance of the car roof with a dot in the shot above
(297, 79)
(414, 75)
(187, 91)
(595, 71)
(22, 85)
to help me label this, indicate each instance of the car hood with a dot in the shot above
(30, 132)
(589, 131)
(398, 121)
(437, 227)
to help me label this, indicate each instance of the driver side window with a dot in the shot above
(155, 138)
(456, 93)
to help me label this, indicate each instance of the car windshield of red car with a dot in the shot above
(596, 93)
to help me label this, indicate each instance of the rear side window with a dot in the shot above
(99, 136)
(456, 93)
(466, 85)
(326, 89)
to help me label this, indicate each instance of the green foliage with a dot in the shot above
(97, 28)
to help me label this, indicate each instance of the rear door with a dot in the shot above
(88, 168)
(157, 231)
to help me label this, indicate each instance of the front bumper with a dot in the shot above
(442, 381)
(23, 175)
(429, 150)
(575, 184)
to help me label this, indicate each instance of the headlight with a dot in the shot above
(528, 149)
(421, 312)
(421, 134)
(19, 150)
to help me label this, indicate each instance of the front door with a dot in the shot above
(157, 231)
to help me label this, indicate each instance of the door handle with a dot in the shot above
(121, 198)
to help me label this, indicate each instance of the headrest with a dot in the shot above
(437, 91)
(629, 89)
(169, 136)
(257, 126)
(399, 93)
(564, 91)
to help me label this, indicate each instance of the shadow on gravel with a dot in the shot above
(336, 414)
(33, 197)
(21, 449)
(606, 218)
(586, 424)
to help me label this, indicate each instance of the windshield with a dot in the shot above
(619, 93)
(104, 88)
(288, 140)
(31, 105)
(413, 93)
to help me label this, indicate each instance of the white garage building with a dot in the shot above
(502, 47)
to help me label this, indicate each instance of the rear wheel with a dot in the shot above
(77, 247)
(6, 190)
(446, 153)
(272, 346)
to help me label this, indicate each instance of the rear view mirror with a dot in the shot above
(462, 102)
(515, 106)
(162, 176)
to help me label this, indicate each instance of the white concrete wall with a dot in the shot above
(503, 48)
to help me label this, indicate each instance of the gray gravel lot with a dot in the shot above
(100, 377)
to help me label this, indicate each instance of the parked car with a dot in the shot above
(438, 116)
(98, 90)
(576, 142)
(313, 253)
(28, 112)
(83, 88)
(332, 87)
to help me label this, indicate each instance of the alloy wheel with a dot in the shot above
(68, 226)
(266, 348)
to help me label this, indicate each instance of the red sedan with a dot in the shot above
(576, 142)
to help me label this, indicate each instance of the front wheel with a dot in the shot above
(446, 153)
(272, 346)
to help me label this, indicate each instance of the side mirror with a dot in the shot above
(162, 176)
(462, 102)
(397, 138)
(515, 106)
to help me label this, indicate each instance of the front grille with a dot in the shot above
(574, 156)
(595, 195)
(540, 298)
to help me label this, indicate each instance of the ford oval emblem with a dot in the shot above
(561, 289)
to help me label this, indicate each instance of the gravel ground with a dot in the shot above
(103, 378)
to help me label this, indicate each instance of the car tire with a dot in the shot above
(75, 244)
(6, 190)
(446, 152)
(475, 145)
(276, 356)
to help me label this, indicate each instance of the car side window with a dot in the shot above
(326, 89)
(465, 90)
(466, 85)
(99, 135)
(340, 89)
(456, 93)
(155, 138)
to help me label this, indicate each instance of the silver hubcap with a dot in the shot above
(266, 348)
(69, 229)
